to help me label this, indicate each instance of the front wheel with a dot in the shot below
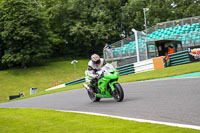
(118, 94)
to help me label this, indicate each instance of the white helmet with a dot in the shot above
(95, 58)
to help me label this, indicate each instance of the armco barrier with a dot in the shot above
(75, 82)
(180, 58)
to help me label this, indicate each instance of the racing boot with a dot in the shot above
(94, 84)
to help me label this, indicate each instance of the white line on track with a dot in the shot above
(138, 120)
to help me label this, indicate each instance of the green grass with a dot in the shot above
(14, 81)
(50, 121)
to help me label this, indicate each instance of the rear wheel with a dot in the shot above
(118, 94)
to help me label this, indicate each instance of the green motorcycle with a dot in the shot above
(107, 84)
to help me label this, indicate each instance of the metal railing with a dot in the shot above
(174, 23)
(123, 49)
(119, 51)
(123, 42)
(190, 39)
(127, 48)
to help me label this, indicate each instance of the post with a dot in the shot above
(74, 62)
(145, 21)
(145, 24)
(75, 70)
(137, 48)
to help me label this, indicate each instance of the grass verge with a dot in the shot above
(48, 121)
(16, 80)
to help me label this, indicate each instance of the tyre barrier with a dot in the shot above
(180, 58)
(16, 96)
(126, 69)
(143, 66)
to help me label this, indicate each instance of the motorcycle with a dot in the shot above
(107, 84)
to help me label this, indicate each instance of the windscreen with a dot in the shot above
(107, 67)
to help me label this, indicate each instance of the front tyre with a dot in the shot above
(93, 97)
(118, 94)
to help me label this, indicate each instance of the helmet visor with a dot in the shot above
(96, 62)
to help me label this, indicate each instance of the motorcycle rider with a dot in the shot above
(94, 65)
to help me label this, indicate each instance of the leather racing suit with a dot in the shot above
(92, 69)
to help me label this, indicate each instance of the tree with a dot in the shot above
(185, 8)
(132, 16)
(24, 33)
(85, 30)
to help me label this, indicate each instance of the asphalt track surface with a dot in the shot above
(166, 100)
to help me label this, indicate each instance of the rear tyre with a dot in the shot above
(93, 97)
(118, 94)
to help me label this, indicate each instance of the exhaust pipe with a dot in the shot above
(86, 86)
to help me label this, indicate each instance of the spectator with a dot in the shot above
(167, 60)
(108, 51)
(170, 50)
(107, 46)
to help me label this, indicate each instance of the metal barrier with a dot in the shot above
(180, 58)
(174, 23)
(185, 30)
(75, 82)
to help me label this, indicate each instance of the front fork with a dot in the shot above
(112, 85)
